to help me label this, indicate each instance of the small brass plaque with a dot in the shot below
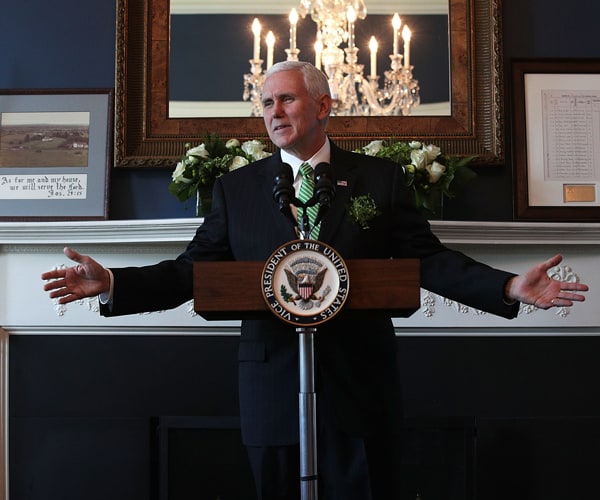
(579, 193)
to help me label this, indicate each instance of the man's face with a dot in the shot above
(294, 120)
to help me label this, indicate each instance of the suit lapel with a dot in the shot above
(343, 165)
(344, 174)
(279, 221)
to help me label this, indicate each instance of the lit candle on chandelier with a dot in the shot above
(406, 37)
(396, 23)
(293, 21)
(318, 52)
(373, 45)
(351, 16)
(270, 46)
(256, 32)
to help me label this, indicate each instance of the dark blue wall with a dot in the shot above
(70, 44)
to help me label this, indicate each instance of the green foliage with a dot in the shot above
(362, 209)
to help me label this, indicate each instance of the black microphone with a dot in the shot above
(324, 189)
(283, 191)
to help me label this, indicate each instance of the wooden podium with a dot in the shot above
(232, 290)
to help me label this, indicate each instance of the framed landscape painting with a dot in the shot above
(55, 151)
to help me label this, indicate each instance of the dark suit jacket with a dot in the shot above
(355, 358)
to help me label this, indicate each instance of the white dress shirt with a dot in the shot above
(323, 155)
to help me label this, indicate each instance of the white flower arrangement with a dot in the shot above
(201, 165)
(429, 172)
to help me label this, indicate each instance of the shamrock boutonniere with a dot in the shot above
(362, 209)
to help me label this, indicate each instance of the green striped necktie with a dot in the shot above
(307, 189)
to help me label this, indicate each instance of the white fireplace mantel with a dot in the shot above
(181, 230)
(29, 248)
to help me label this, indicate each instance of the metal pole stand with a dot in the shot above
(308, 414)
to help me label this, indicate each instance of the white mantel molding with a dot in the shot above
(181, 231)
(29, 248)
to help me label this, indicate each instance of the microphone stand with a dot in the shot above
(307, 414)
(307, 398)
(284, 195)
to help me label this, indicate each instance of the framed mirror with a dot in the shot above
(229, 26)
(145, 135)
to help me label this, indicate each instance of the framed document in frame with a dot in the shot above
(556, 139)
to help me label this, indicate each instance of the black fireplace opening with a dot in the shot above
(203, 458)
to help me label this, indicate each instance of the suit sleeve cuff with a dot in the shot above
(106, 297)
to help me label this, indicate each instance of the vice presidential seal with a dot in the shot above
(305, 282)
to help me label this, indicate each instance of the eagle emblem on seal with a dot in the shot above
(305, 277)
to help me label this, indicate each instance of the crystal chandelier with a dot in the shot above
(336, 53)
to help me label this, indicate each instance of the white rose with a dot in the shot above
(177, 175)
(261, 155)
(436, 170)
(415, 145)
(417, 158)
(232, 143)
(373, 147)
(253, 148)
(432, 152)
(237, 162)
(198, 151)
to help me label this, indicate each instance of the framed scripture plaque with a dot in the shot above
(55, 150)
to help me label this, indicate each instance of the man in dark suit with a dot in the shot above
(356, 376)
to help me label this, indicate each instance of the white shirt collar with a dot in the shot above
(323, 155)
